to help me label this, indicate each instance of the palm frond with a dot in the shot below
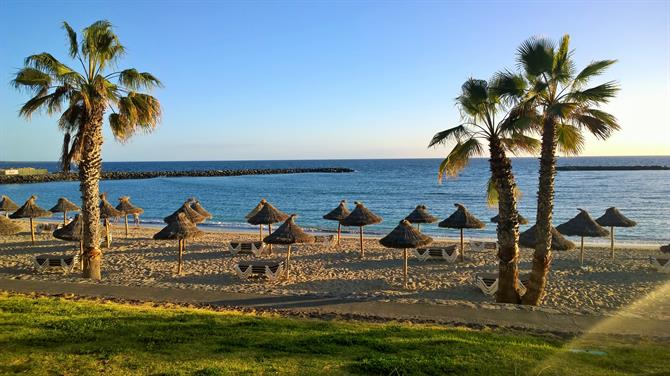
(474, 98)
(596, 95)
(536, 56)
(455, 133)
(49, 102)
(45, 62)
(134, 80)
(458, 157)
(594, 69)
(570, 140)
(72, 38)
(561, 110)
(519, 143)
(601, 125)
(101, 44)
(508, 85)
(136, 112)
(492, 196)
(563, 67)
(33, 79)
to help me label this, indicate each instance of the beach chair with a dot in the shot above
(325, 239)
(273, 270)
(65, 262)
(448, 253)
(44, 228)
(488, 283)
(660, 263)
(483, 246)
(246, 248)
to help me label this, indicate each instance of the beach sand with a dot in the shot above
(603, 287)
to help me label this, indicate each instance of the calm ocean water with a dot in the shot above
(391, 188)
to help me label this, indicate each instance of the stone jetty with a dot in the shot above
(123, 175)
(612, 168)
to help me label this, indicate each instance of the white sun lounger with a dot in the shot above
(448, 253)
(661, 264)
(325, 239)
(483, 246)
(246, 248)
(65, 262)
(488, 283)
(273, 270)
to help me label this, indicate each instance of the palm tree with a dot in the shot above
(479, 103)
(88, 94)
(561, 106)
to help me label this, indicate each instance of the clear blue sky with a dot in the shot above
(326, 79)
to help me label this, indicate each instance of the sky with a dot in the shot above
(332, 79)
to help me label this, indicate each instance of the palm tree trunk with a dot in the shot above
(545, 207)
(508, 225)
(89, 178)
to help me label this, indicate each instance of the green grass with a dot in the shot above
(58, 336)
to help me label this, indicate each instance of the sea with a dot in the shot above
(390, 188)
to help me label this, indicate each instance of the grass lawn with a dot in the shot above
(58, 336)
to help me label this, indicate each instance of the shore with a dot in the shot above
(124, 175)
(603, 287)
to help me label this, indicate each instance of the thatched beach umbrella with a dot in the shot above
(420, 215)
(338, 214)
(528, 239)
(63, 206)
(126, 208)
(461, 219)
(522, 220)
(582, 225)
(72, 232)
(402, 237)
(180, 229)
(30, 210)
(267, 215)
(8, 227)
(195, 205)
(7, 205)
(255, 209)
(107, 211)
(361, 216)
(192, 215)
(613, 218)
(288, 233)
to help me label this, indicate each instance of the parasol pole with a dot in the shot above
(404, 268)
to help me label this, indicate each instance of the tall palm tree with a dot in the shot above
(480, 104)
(88, 94)
(562, 107)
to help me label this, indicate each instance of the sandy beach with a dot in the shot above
(603, 287)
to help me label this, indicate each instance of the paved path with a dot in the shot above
(452, 314)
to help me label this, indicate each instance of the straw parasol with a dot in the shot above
(7, 205)
(522, 220)
(582, 225)
(107, 211)
(256, 209)
(267, 215)
(420, 215)
(338, 214)
(289, 233)
(181, 229)
(8, 227)
(361, 216)
(195, 205)
(63, 206)
(72, 232)
(402, 237)
(125, 207)
(528, 239)
(30, 210)
(192, 215)
(613, 218)
(461, 219)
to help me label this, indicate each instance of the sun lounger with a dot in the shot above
(488, 283)
(483, 246)
(661, 264)
(270, 269)
(246, 248)
(65, 262)
(46, 228)
(448, 253)
(325, 239)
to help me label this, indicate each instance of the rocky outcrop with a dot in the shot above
(611, 168)
(121, 175)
